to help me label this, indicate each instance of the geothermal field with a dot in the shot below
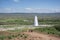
(30, 26)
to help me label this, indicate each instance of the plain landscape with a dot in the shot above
(29, 19)
(20, 26)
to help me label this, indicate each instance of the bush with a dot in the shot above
(57, 27)
(9, 37)
(25, 36)
(21, 35)
(13, 35)
(2, 37)
(48, 30)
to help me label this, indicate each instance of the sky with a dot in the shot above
(29, 6)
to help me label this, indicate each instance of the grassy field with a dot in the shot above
(10, 35)
(25, 21)
(55, 30)
(18, 33)
(28, 19)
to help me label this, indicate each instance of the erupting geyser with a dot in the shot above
(35, 21)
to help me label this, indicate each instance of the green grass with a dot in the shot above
(57, 27)
(13, 35)
(48, 30)
(19, 30)
(2, 37)
(9, 37)
(30, 21)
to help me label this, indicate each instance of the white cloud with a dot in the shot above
(8, 9)
(28, 10)
(16, 0)
(39, 10)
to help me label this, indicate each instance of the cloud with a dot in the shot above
(28, 10)
(16, 0)
(39, 10)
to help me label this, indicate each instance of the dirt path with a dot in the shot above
(40, 36)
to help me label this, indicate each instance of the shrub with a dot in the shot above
(21, 35)
(49, 30)
(57, 27)
(9, 37)
(13, 35)
(25, 36)
(2, 37)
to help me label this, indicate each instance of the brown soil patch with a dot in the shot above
(39, 36)
(32, 36)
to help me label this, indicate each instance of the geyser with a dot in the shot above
(35, 21)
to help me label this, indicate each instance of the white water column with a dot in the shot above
(35, 21)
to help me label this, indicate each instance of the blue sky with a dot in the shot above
(29, 6)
